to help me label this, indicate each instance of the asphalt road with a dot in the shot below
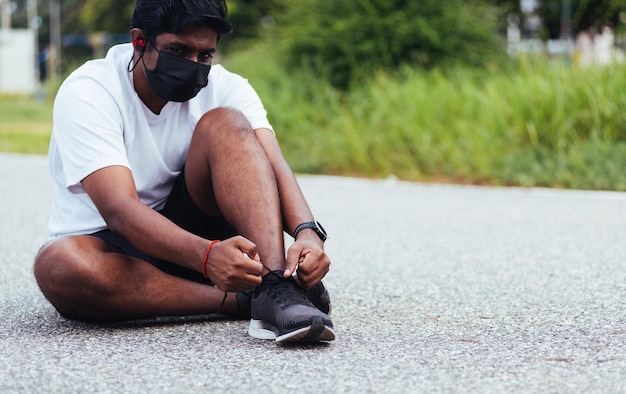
(435, 288)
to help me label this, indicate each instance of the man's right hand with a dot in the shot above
(234, 264)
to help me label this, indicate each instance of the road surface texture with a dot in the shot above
(435, 288)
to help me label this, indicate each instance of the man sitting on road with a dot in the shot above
(154, 162)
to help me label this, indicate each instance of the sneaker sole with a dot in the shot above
(316, 332)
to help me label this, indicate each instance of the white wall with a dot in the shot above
(17, 61)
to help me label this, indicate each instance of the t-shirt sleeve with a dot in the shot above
(239, 94)
(88, 130)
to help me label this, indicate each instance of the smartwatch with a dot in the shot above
(315, 225)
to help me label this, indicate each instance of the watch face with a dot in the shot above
(320, 231)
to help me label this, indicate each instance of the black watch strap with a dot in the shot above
(315, 225)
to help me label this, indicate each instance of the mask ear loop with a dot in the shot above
(138, 45)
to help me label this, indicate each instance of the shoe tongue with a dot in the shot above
(273, 276)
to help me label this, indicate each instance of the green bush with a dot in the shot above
(348, 40)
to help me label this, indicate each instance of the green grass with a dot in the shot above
(533, 123)
(26, 124)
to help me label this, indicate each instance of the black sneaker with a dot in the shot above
(317, 294)
(280, 310)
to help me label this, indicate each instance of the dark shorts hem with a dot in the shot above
(181, 210)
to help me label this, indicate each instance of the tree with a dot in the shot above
(347, 38)
(585, 14)
(111, 16)
(247, 16)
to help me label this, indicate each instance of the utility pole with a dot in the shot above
(33, 23)
(6, 14)
(566, 28)
(55, 40)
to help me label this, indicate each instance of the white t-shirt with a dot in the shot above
(100, 121)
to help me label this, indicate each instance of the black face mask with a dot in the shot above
(177, 79)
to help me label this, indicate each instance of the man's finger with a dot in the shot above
(294, 271)
(290, 269)
(258, 267)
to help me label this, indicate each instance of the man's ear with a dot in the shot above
(139, 40)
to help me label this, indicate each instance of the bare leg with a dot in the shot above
(83, 278)
(227, 172)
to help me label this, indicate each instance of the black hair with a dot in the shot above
(155, 17)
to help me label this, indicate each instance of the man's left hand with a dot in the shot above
(307, 254)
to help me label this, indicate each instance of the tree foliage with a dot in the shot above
(111, 16)
(347, 38)
(584, 15)
(247, 15)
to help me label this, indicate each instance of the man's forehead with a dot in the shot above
(202, 32)
(187, 41)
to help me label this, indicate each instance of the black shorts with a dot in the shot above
(181, 210)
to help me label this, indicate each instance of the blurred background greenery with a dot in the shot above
(466, 91)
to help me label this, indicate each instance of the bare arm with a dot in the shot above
(113, 191)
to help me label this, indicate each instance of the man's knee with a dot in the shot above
(63, 276)
(223, 135)
(226, 115)
(226, 122)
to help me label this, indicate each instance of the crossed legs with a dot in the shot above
(227, 173)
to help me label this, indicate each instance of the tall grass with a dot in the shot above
(537, 123)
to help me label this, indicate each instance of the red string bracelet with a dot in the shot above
(206, 257)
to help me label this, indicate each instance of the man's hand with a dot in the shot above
(232, 270)
(307, 253)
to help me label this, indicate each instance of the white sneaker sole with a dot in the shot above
(316, 332)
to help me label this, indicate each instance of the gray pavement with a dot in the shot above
(435, 288)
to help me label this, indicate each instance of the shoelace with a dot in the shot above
(275, 291)
(285, 292)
